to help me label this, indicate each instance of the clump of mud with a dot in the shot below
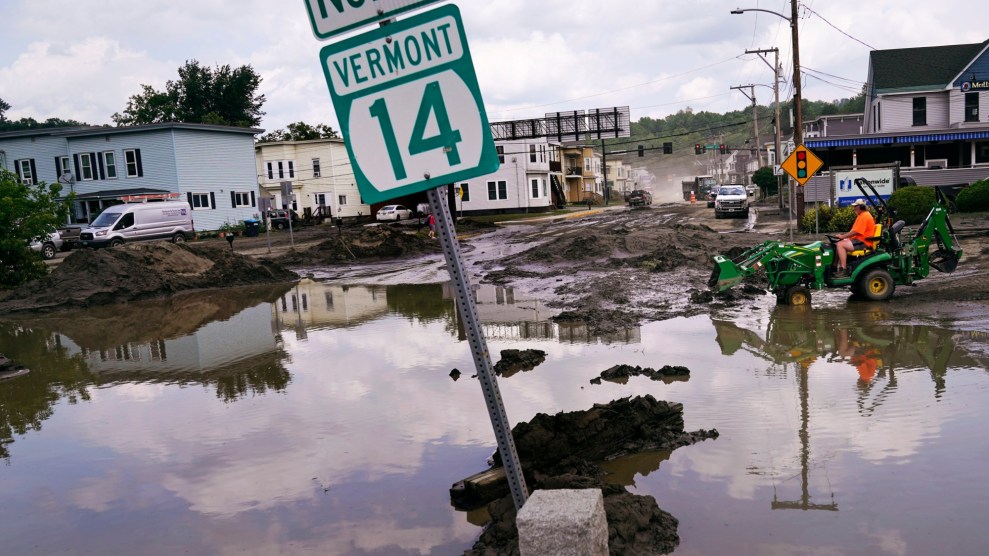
(363, 244)
(515, 360)
(599, 321)
(135, 271)
(621, 373)
(561, 451)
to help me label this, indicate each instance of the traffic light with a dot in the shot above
(698, 148)
(801, 164)
(667, 148)
(642, 150)
(723, 149)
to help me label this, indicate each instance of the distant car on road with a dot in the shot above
(639, 198)
(48, 247)
(393, 212)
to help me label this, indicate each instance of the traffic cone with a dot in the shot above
(693, 198)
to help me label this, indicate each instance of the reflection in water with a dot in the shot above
(860, 337)
(863, 338)
(322, 419)
(223, 339)
(313, 305)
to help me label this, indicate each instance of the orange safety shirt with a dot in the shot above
(865, 228)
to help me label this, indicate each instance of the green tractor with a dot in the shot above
(794, 270)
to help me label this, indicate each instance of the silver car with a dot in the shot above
(49, 247)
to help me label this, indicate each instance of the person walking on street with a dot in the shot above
(431, 221)
(859, 237)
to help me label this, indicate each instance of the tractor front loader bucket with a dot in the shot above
(726, 274)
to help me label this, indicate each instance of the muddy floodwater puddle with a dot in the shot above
(323, 418)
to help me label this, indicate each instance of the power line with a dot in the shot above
(870, 47)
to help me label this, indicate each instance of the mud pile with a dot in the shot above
(363, 244)
(562, 451)
(652, 247)
(515, 360)
(621, 373)
(139, 271)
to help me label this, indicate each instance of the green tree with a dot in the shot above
(299, 131)
(204, 95)
(767, 182)
(3, 108)
(27, 213)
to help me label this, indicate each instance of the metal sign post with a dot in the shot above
(478, 346)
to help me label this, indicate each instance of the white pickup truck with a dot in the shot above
(731, 200)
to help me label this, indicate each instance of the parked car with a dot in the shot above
(49, 247)
(393, 212)
(639, 198)
(279, 219)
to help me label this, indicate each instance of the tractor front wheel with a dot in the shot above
(877, 285)
(794, 295)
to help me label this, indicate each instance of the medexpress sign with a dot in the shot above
(408, 102)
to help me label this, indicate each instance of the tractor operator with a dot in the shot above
(860, 237)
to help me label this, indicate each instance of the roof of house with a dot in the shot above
(923, 68)
(81, 131)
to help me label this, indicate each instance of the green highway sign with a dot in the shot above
(332, 17)
(409, 106)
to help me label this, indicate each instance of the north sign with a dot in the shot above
(332, 17)
(409, 106)
(802, 164)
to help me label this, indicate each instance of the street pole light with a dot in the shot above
(798, 125)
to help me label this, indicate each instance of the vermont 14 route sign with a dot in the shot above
(409, 105)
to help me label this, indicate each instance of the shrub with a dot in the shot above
(912, 204)
(832, 220)
(974, 198)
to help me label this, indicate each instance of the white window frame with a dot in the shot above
(242, 199)
(130, 154)
(500, 149)
(200, 199)
(316, 170)
(542, 181)
(587, 164)
(465, 192)
(341, 200)
(532, 152)
(109, 164)
(86, 162)
(27, 178)
(497, 190)
(66, 165)
(535, 187)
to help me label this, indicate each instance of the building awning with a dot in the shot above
(849, 142)
(900, 139)
(137, 192)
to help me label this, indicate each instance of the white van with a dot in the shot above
(139, 221)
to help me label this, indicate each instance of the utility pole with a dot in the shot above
(755, 119)
(798, 126)
(776, 127)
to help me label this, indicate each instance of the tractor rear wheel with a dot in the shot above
(877, 285)
(795, 295)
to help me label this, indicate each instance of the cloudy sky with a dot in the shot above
(83, 59)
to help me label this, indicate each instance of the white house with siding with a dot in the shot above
(522, 183)
(319, 171)
(212, 167)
